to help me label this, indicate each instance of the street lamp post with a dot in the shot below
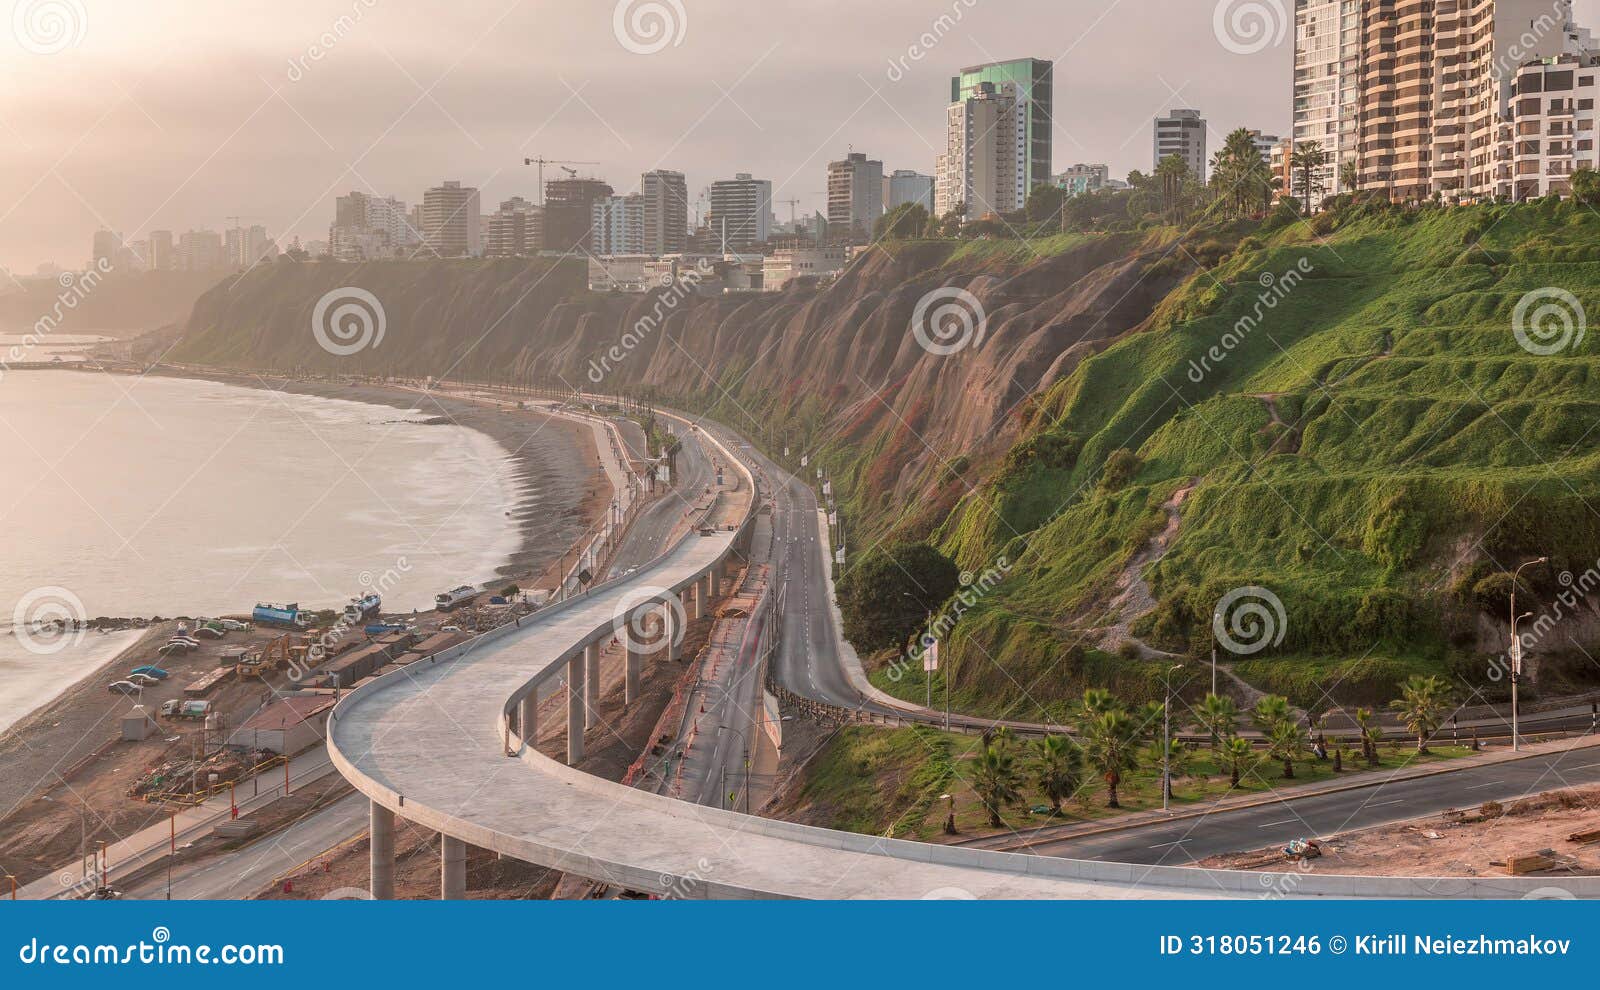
(1166, 738)
(1516, 654)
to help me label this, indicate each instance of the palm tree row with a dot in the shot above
(1113, 742)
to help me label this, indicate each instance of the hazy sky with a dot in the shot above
(171, 114)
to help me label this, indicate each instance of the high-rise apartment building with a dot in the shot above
(1183, 133)
(741, 212)
(907, 186)
(243, 247)
(366, 228)
(1553, 123)
(982, 167)
(855, 198)
(162, 256)
(1032, 85)
(618, 225)
(1327, 85)
(200, 251)
(107, 246)
(451, 221)
(569, 213)
(515, 230)
(1436, 79)
(666, 211)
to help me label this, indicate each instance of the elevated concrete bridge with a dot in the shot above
(444, 744)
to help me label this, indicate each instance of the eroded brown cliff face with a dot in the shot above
(837, 367)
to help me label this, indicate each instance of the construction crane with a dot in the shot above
(793, 203)
(542, 162)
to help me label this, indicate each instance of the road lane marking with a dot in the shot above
(1286, 821)
(1163, 845)
(1479, 787)
(1387, 803)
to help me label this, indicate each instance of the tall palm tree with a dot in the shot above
(1269, 711)
(1307, 161)
(1371, 734)
(1241, 177)
(1059, 770)
(1218, 716)
(1111, 743)
(1287, 742)
(1238, 756)
(1422, 706)
(995, 780)
(1150, 716)
(1172, 172)
(1350, 175)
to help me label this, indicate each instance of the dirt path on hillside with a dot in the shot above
(1133, 598)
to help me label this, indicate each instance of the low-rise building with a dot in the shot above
(782, 267)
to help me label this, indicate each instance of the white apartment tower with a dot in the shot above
(1182, 133)
(741, 212)
(450, 221)
(1327, 84)
(983, 166)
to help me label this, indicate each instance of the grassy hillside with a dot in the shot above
(1366, 436)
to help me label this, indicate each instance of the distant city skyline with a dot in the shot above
(270, 114)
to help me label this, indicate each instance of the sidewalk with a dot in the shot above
(150, 845)
(1024, 840)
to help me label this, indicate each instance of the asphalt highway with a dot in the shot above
(1275, 824)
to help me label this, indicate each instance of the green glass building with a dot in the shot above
(1035, 82)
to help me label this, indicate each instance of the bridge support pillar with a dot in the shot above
(382, 852)
(708, 589)
(452, 869)
(528, 719)
(696, 606)
(575, 706)
(631, 671)
(591, 684)
(673, 628)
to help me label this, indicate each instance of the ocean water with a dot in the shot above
(124, 496)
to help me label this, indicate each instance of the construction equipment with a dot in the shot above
(542, 162)
(273, 656)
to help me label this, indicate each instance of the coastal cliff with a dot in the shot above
(1337, 411)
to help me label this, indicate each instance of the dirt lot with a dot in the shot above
(1476, 845)
(67, 775)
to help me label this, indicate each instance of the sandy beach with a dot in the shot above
(563, 493)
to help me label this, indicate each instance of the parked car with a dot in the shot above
(449, 629)
(124, 687)
(151, 671)
(143, 680)
(234, 625)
